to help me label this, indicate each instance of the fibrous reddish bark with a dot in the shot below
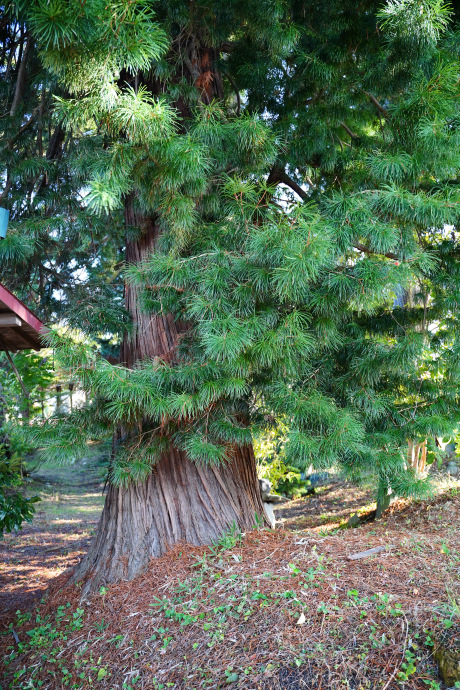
(154, 335)
(180, 501)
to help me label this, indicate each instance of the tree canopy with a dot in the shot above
(300, 160)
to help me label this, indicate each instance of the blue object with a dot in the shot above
(318, 478)
(4, 215)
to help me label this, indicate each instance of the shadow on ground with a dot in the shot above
(327, 508)
(66, 518)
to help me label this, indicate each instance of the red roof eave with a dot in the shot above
(20, 309)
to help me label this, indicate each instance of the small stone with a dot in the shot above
(353, 520)
(265, 488)
(274, 498)
(270, 513)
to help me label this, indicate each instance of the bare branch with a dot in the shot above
(21, 80)
(379, 107)
(289, 182)
(27, 124)
(366, 250)
(348, 131)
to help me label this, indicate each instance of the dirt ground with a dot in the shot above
(66, 518)
(272, 610)
(71, 503)
(69, 511)
(327, 508)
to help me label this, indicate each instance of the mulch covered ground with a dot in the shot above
(31, 560)
(276, 609)
(328, 507)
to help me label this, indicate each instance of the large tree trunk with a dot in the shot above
(154, 336)
(180, 501)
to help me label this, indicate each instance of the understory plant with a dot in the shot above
(15, 507)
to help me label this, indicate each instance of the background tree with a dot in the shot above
(63, 261)
(288, 168)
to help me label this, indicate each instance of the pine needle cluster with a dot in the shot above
(297, 211)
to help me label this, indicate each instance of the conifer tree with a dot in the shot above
(286, 170)
(56, 255)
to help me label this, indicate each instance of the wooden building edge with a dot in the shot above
(20, 329)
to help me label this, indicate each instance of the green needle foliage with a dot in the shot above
(298, 208)
(61, 259)
(14, 507)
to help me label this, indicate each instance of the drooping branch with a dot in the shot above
(378, 105)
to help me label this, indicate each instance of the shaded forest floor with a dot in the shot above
(269, 610)
(65, 520)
